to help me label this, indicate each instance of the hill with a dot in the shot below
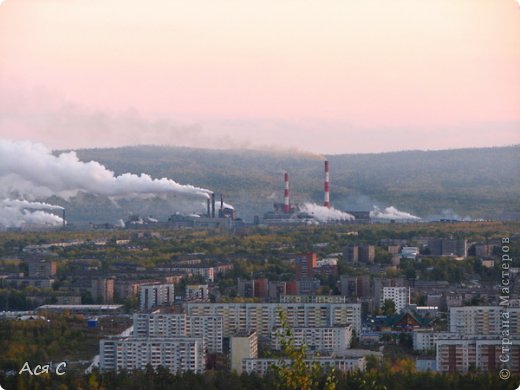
(481, 183)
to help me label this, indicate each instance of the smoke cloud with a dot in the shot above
(324, 214)
(391, 213)
(32, 171)
(17, 213)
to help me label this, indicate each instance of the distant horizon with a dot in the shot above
(270, 149)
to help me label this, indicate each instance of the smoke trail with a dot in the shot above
(17, 213)
(32, 170)
(391, 213)
(324, 214)
(24, 204)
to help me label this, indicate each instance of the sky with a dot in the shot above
(328, 76)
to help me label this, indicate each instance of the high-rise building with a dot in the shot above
(102, 290)
(165, 325)
(155, 295)
(461, 355)
(263, 317)
(305, 265)
(243, 345)
(178, 355)
(355, 286)
(367, 253)
(41, 268)
(399, 295)
(197, 292)
(482, 319)
(379, 283)
(448, 247)
(351, 254)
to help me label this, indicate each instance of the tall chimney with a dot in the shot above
(209, 208)
(63, 217)
(326, 203)
(213, 205)
(286, 202)
(221, 202)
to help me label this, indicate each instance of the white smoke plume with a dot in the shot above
(17, 213)
(24, 204)
(31, 170)
(391, 213)
(324, 214)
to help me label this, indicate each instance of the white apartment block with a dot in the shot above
(129, 353)
(480, 353)
(263, 317)
(427, 341)
(343, 364)
(156, 295)
(243, 345)
(483, 319)
(163, 325)
(326, 339)
(399, 295)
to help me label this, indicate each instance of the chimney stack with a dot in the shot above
(63, 217)
(326, 203)
(209, 208)
(286, 202)
(213, 205)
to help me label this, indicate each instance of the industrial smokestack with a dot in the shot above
(221, 202)
(326, 202)
(209, 208)
(63, 217)
(286, 201)
(213, 205)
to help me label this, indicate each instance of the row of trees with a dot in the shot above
(375, 379)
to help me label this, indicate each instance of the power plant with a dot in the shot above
(292, 213)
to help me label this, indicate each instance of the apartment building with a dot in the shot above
(136, 353)
(208, 328)
(326, 339)
(155, 295)
(263, 317)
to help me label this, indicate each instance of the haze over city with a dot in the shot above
(328, 77)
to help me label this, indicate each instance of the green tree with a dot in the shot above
(296, 374)
(388, 307)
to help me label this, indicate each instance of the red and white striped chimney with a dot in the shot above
(286, 202)
(326, 203)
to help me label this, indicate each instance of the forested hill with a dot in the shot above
(482, 183)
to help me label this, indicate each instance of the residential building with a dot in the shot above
(263, 317)
(155, 295)
(399, 295)
(178, 355)
(243, 345)
(197, 292)
(323, 339)
(367, 253)
(41, 268)
(343, 364)
(102, 290)
(165, 325)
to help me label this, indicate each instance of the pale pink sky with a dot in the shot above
(329, 76)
